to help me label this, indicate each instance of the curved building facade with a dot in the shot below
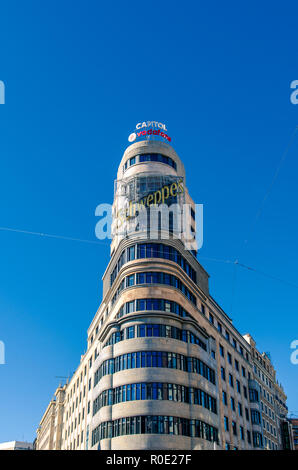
(155, 379)
(165, 367)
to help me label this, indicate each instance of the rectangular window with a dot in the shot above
(130, 280)
(130, 306)
(130, 332)
(231, 381)
(232, 404)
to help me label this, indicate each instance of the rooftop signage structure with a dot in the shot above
(150, 130)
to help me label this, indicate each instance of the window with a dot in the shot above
(130, 332)
(238, 386)
(229, 358)
(155, 391)
(231, 380)
(253, 395)
(232, 404)
(223, 373)
(226, 423)
(243, 371)
(211, 318)
(221, 349)
(224, 398)
(219, 327)
(240, 409)
(156, 425)
(255, 416)
(164, 331)
(234, 428)
(154, 359)
(257, 439)
(236, 365)
(130, 280)
(157, 157)
(131, 253)
(242, 433)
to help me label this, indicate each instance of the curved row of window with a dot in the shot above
(163, 305)
(142, 359)
(155, 330)
(155, 277)
(149, 157)
(154, 391)
(152, 250)
(155, 425)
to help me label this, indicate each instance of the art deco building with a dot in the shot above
(165, 367)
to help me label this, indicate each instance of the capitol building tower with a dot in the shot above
(154, 378)
(165, 366)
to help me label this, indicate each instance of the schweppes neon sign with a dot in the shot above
(155, 198)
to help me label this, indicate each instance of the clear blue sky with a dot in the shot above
(79, 76)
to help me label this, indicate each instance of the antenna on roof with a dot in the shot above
(62, 377)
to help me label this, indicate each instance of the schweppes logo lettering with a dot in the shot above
(157, 197)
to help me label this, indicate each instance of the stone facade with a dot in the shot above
(165, 367)
(49, 432)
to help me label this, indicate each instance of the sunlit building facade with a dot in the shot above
(165, 367)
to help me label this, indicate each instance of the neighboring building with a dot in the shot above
(49, 432)
(16, 445)
(165, 367)
(285, 426)
(272, 398)
(294, 424)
